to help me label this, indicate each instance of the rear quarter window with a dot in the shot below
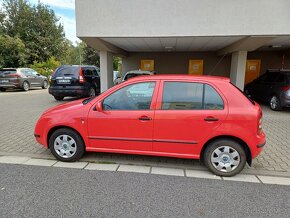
(7, 72)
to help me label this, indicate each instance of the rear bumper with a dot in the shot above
(260, 143)
(68, 91)
(10, 85)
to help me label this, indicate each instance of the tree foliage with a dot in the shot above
(46, 68)
(12, 52)
(36, 26)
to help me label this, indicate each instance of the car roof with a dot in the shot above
(279, 70)
(180, 77)
(139, 72)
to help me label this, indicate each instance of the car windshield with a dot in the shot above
(67, 71)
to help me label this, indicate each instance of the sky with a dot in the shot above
(65, 11)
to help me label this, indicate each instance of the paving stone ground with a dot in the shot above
(19, 112)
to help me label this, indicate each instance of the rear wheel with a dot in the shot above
(66, 145)
(2, 89)
(45, 84)
(25, 86)
(225, 157)
(92, 92)
(275, 103)
(58, 98)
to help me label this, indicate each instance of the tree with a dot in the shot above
(91, 56)
(12, 52)
(37, 26)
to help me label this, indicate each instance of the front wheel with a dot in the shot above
(66, 145)
(45, 84)
(275, 103)
(225, 157)
(2, 89)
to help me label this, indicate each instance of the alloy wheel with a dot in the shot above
(274, 102)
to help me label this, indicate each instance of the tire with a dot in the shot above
(58, 98)
(225, 157)
(2, 89)
(25, 86)
(92, 92)
(247, 93)
(66, 145)
(275, 104)
(45, 84)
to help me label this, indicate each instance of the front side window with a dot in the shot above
(190, 96)
(132, 97)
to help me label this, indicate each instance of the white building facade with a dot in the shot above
(237, 39)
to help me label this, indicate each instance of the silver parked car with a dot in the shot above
(131, 74)
(21, 78)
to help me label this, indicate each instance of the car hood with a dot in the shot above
(66, 107)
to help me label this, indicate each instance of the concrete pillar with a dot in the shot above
(238, 68)
(106, 68)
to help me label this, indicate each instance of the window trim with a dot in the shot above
(153, 99)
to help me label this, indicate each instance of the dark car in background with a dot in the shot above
(21, 78)
(75, 81)
(272, 88)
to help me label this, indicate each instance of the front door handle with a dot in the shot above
(145, 118)
(211, 119)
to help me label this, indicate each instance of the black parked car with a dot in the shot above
(75, 81)
(21, 78)
(273, 88)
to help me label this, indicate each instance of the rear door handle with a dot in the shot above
(145, 118)
(211, 119)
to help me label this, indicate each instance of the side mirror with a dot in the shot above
(99, 106)
(37, 74)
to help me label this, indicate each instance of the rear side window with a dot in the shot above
(190, 96)
(67, 71)
(7, 72)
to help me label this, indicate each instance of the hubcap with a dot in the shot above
(225, 159)
(274, 102)
(65, 146)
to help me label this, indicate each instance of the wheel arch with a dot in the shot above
(53, 129)
(234, 138)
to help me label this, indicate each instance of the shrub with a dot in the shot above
(46, 68)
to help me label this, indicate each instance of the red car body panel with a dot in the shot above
(173, 133)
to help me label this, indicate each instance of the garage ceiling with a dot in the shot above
(183, 44)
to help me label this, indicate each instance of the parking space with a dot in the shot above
(19, 112)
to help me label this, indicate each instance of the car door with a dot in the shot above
(264, 86)
(29, 76)
(186, 114)
(96, 79)
(37, 79)
(125, 122)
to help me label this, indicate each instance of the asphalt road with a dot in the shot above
(30, 191)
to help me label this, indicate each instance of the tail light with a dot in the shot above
(285, 88)
(15, 75)
(81, 77)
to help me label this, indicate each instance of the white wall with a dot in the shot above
(161, 18)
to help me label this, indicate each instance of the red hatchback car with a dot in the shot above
(199, 117)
